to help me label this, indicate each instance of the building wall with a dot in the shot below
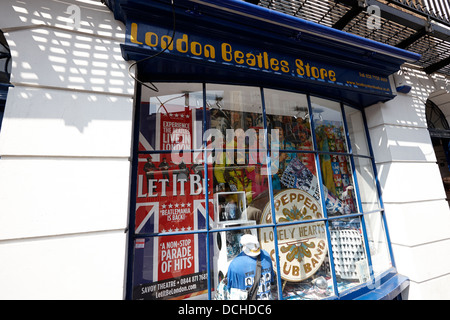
(65, 149)
(417, 213)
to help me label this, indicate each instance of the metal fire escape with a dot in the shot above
(420, 26)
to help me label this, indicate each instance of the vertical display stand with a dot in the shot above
(229, 211)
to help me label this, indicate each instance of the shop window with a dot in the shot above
(217, 166)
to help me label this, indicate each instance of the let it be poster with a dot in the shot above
(170, 198)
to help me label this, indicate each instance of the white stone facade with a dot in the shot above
(417, 212)
(65, 148)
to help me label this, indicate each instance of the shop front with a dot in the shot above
(249, 124)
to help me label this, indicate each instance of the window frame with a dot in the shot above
(210, 232)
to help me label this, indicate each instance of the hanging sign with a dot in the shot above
(302, 247)
(230, 53)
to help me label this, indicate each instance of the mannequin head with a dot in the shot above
(250, 245)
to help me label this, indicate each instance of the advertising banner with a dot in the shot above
(229, 53)
(170, 198)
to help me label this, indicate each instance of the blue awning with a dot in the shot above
(237, 42)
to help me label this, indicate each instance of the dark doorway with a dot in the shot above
(440, 136)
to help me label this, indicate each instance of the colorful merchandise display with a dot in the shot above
(174, 264)
(336, 170)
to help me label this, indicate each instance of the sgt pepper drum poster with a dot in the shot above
(170, 198)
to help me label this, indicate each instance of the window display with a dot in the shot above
(228, 175)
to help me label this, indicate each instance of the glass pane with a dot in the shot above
(329, 127)
(289, 138)
(237, 154)
(295, 170)
(379, 250)
(170, 267)
(349, 254)
(235, 262)
(172, 118)
(302, 247)
(288, 113)
(170, 193)
(356, 131)
(234, 107)
(366, 182)
(339, 191)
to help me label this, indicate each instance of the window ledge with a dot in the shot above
(389, 286)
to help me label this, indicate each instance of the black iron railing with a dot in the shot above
(438, 10)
